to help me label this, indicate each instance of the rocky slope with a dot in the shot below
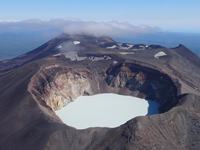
(34, 85)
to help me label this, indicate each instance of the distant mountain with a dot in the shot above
(15, 43)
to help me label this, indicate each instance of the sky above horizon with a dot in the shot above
(179, 15)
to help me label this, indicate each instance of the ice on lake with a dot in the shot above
(105, 110)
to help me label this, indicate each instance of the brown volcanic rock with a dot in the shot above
(42, 82)
(62, 86)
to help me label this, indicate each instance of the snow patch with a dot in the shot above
(129, 46)
(112, 47)
(57, 55)
(59, 46)
(76, 42)
(93, 58)
(160, 54)
(126, 53)
(115, 62)
(142, 46)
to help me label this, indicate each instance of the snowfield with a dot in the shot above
(160, 54)
(112, 47)
(76, 42)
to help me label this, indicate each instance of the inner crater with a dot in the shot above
(90, 97)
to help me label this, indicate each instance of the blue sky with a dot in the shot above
(176, 15)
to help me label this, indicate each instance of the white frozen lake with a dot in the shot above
(105, 110)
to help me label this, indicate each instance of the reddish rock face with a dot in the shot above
(61, 85)
(34, 85)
